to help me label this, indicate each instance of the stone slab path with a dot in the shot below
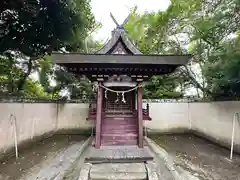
(47, 159)
(118, 171)
(56, 167)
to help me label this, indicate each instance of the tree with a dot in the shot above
(33, 29)
(207, 29)
(138, 28)
(161, 87)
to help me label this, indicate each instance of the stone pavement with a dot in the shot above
(118, 171)
(126, 163)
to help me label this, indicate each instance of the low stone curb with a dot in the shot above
(163, 155)
(151, 171)
(82, 149)
(85, 172)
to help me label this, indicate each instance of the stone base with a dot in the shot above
(119, 154)
(123, 171)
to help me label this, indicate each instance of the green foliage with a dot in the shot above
(31, 29)
(139, 28)
(161, 87)
(36, 27)
(207, 29)
(223, 75)
(34, 90)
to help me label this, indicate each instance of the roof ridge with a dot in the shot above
(117, 33)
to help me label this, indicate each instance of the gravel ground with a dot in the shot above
(201, 158)
(42, 159)
(48, 158)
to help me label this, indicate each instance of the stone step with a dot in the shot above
(118, 171)
(118, 138)
(118, 176)
(119, 154)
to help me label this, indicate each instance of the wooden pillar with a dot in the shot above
(140, 117)
(99, 116)
(133, 100)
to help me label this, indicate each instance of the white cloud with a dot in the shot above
(120, 10)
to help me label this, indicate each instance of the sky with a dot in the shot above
(120, 10)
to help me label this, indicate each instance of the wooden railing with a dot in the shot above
(92, 113)
(111, 105)
(146, 115)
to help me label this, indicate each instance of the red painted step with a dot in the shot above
(118, 142)
(118, 130)
(119, 116)
(119, 127)
(118, 121)
(119, 138)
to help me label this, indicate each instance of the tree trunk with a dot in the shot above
(196, 83)
(22, 80)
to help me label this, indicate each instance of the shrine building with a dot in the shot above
(119, 71)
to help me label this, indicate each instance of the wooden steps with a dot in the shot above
(119, 130)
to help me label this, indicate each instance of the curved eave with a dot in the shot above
(79, 58)
(110, 64)
(117, 34)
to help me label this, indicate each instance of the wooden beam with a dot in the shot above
(99, 116)
(108, 59)
(140, 117)
(126, 20)
(114, 20)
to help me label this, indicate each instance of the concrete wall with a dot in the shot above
(168, 117)
(38, 119)
(211, 120)
(214, 121)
